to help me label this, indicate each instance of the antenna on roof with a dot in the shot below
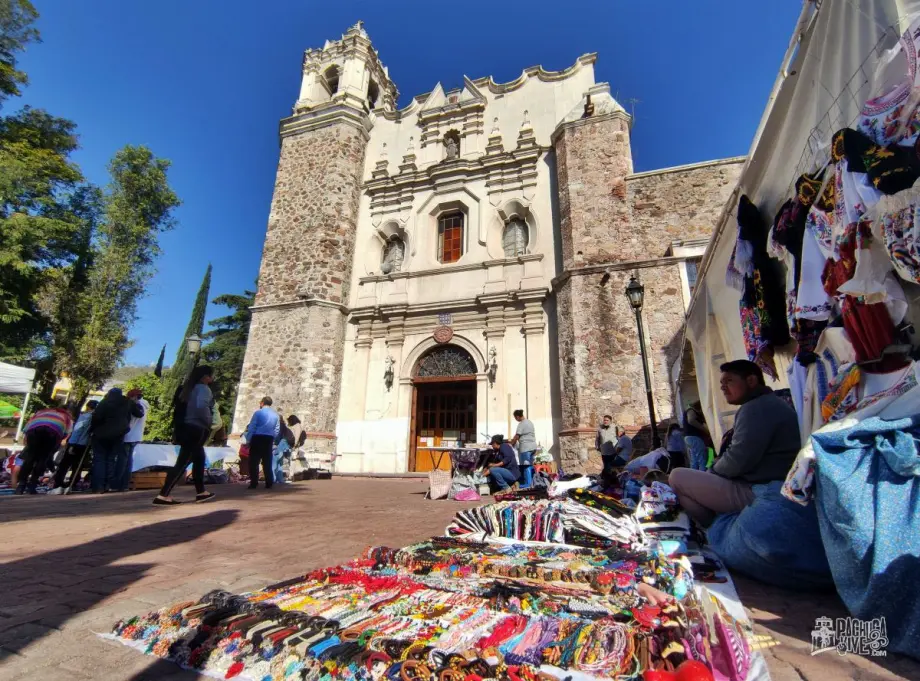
(632, 106)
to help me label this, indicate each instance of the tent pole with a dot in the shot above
(22, 415)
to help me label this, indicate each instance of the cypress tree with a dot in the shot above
(158, 371)
(183, 364)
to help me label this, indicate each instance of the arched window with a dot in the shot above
(447, 360)
(515, 238)
(373, 92)
(332, 79)
(393, 254)
(452, 145)
(450, 237)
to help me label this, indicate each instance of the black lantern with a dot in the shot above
(635, 292)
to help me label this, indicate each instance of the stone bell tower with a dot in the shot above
(297, 335)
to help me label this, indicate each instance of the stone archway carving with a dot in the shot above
(408, 368)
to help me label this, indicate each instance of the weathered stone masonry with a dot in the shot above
(296, 340)
(614, 224)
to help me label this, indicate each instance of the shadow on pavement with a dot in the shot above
(17, 508)
(53, 587)
(793, 614)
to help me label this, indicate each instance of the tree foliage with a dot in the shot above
(182, 367)
(41, 219)
(159, 425)
(137, 208)
(17, 19)
(226, 349)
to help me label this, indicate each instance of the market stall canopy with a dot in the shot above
(830, 69)
(14, 379)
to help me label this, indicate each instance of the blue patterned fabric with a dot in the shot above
(868, 501)
(773, 540)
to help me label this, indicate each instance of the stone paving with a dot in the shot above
(72, 566)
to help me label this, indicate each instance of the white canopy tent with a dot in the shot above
(830, 69)
(18, 381)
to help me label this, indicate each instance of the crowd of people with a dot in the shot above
(112, 427)
(759, 449)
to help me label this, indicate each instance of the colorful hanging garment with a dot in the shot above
(762, 306)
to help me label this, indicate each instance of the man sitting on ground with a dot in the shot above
(764, 445)
(503, 471)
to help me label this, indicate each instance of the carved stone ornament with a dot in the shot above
(443, 334)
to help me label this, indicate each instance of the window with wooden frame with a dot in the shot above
(450, 237)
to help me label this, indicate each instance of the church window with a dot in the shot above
(514, 238)
(447, 361)
(450, 237)
(393, 254)
(332, 79)
(373, 92)
(451, 145)
(693, 265)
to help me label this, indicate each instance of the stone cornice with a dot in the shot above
(451, 269)
(616, 267)
(600, 118)
(461, 169)
(306, 302)
(485, 301)
(325, 116)
(688, 167)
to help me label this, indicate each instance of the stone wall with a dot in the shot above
(677, 203)
(614, 225)
(296, 339)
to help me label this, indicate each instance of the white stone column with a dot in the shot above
(355, 394)
(533, 329)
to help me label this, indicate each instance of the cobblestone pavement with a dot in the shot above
(72, 566)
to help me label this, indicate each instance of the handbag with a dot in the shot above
(438, 484)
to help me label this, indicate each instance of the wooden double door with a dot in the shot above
(443, 412)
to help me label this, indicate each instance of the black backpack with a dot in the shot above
(287, 434)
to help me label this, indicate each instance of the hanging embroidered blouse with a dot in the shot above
(833, 351)
(890, 169)
(762, 306)
(898, 221)
(868, 325)
(893, 117)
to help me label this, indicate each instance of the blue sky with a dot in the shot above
(204, 84)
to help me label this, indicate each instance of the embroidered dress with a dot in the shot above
(833, 352)
(898, 221)
(762, 306)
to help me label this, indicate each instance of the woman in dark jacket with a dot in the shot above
(192, 417)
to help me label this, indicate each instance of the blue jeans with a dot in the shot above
(502, 477)
(278, 459)
(525, 459)
(106, 454)
(699, 453)
(123, 466)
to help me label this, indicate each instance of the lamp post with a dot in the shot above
(635, 292)
(193, 346)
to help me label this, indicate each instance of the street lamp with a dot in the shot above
(193, 347)
(635, 292)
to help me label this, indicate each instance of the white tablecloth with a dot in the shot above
(147, 455)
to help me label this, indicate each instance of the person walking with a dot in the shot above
(135, 435)
(110, 422)
(263, 428)
(75, 449)
(192, 417)
(43, 435)
(525, 440)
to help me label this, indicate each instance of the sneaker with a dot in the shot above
(57, 490)
(20, 489)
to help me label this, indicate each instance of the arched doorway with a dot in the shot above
(443, 406)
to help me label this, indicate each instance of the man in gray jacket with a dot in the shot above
(763, 446)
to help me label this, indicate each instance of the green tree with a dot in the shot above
(137, 208)
(42, 220)
(159, 425)
(158, 371)
(226, 348)
(17, 19)
(182, 367)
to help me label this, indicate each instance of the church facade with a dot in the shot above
(431, 269)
